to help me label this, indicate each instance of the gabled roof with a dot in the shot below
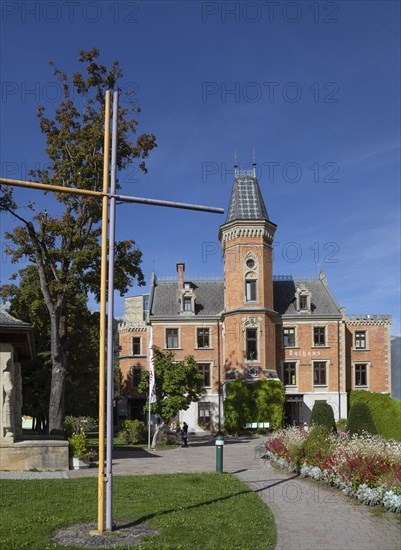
(246, 201)
(210, 298)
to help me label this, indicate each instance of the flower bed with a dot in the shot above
(364, 467)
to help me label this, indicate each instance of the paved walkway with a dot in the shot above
(307, 516)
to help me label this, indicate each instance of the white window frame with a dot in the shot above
(368, 366)
(294, 328)
(178, 337)
(210, 337)
(283, 362)
(209, 407)
(366, 348)
(210, 364)
(326, 362)
(306, 294)
(251, 285)
(324, 327)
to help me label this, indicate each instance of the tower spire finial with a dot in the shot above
(236, 166)
(254, 162)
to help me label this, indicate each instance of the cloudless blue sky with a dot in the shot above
(314, 86)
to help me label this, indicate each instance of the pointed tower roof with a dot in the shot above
(246, 201)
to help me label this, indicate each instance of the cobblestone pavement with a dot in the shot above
(308, 516)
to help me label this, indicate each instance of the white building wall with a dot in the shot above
(190, 416)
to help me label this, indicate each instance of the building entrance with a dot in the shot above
(293, 410)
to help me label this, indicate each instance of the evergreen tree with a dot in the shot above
(323, 415)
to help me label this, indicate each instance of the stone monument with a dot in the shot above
(16, 451)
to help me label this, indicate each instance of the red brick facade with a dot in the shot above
(264, 327)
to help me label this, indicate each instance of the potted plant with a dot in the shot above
(82, 454)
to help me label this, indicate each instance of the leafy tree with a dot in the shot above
(178, 384)
(81, 392)
(65, 249)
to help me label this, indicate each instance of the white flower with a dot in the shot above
(392, 501)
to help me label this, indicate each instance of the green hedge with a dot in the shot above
(268, 402)
(260, 401)
(385, 411)
(360, 419)
(237, 406)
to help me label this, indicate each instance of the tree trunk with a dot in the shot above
(59, 369)
(157, 430)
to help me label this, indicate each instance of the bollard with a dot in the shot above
(219, 453)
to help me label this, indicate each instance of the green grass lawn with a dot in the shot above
(189, 511)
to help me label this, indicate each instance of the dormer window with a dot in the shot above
(187, 299)
(303, 300)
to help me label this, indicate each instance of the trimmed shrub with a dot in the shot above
(360, 420)
(268, 402)
(237, 407)
(133, 431)
(323, 415)
(385, 411)
(317, 446)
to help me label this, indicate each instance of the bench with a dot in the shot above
(257, 425)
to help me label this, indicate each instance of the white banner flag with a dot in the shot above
(152, 385)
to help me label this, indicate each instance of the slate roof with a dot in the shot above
(210, 298)
(246, 201)
(7, 320)
(323, 302)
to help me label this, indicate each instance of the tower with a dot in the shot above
(248, 317)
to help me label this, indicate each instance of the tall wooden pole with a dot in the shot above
(102, 344)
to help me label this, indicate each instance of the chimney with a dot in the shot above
(181, 270)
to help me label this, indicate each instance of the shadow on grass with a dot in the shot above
(199, 504)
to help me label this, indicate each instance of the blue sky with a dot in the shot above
(314, 86)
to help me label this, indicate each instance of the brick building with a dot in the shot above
(253, 324)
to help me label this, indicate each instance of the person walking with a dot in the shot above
(185, 434)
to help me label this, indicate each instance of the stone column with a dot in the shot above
(7, 395)
(18, 400)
